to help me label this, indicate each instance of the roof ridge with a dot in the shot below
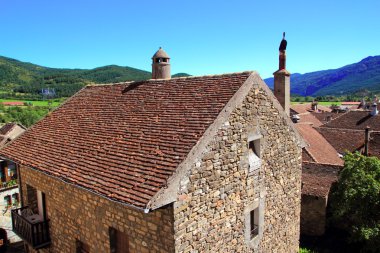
(344, 129)
(210, 75)
(322, 163)
(174, 78)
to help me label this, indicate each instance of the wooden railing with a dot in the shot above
(34, 233)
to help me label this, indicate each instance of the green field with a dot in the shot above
(43, 103)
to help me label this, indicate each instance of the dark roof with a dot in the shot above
(318, 148)
(317, 178)
(323, 117)
(355, 120)
(374, 144)
(123, 141)
(5, 129)
(343, 139)
(306, 157)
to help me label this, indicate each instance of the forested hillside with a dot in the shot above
(26, 80)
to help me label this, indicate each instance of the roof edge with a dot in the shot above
(173, 78)
(169, 193)
(179, 179)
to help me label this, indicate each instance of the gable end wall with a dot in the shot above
(209, 214)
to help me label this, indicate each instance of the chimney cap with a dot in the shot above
(160, 54)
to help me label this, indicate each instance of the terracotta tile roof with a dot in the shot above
(355, 120)
(123, 141)
(318, 148)
(343, 139)
(317, 179)
(303, 108)
(308, 118)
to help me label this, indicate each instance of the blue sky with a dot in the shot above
(201, 37)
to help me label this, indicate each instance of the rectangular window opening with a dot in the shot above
(252, 147)
(81, 247)
(254, 155)
(119, 241)
(254, 222)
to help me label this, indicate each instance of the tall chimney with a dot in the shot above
(374, 111)
(161, 65)
(282, 79)
(366, 141)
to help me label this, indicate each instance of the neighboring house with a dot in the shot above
(317, 180)
(329, 136)
(355, 120)
(8, 171)
(347, 132)
(196, 164)
(318, 156)
(9, 191)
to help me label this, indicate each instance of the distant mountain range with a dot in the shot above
(26, 79)
(363, 75)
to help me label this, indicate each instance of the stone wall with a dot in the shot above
(313, 215)
(211, 210)
(78, 214)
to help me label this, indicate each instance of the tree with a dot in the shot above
(356, 200)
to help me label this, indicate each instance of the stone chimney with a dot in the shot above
(374, 111)
(366, 141)
(282, 79)
(161, 65)
(314, 106)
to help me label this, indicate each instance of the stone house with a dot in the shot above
(195, 164)
(9, 192)
(317, 181)
(8, 172)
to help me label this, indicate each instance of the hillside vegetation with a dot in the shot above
(353, 78)
(26, 80)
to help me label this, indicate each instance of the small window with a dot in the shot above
(12, 171)
(254, 222)
(252, 148)
(7, 200)
(119, 241)
(254, 155)
(15, 199)
(81, 247)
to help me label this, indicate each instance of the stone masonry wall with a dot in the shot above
(313, 215)
(78, 214)
(211, 210)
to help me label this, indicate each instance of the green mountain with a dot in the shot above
(26, 80)
(363, 75)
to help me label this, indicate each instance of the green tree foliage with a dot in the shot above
(25, 116)
(356, 200)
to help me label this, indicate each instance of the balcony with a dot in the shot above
(31, 227)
